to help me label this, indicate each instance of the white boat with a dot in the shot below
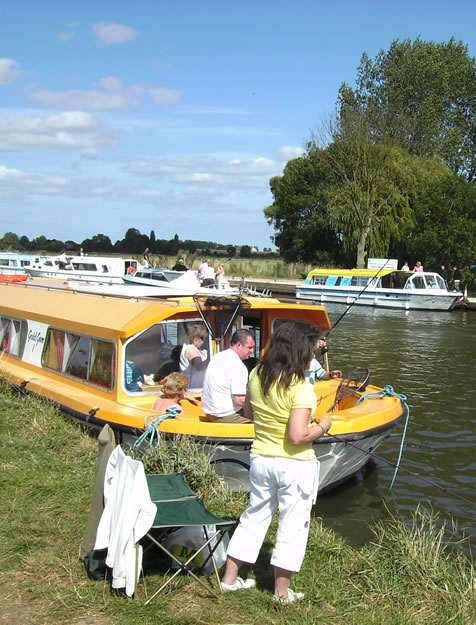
(184, 282)
(387, 288)
(90, 268)
(13, 263)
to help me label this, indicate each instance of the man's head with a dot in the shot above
(243, 343)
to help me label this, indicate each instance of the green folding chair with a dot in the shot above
(179, 507)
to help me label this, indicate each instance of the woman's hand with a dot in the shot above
(299, 430)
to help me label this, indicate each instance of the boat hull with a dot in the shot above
(400, 299)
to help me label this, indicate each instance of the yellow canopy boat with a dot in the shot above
(91, 355)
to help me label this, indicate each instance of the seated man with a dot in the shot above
(224, 387)
(316, 371)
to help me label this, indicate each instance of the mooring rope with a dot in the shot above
(152, 427)
(388, 391)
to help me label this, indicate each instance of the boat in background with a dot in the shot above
(185, 282)
(91, 268)
(13, 263)
(386, 288)
(98, 357)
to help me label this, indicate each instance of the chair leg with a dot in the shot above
(183, 566)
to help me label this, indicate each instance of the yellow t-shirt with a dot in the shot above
(271, 416)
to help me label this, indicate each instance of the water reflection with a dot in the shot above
(428, 357)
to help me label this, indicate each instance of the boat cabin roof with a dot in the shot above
(110, 317)
(355, 272)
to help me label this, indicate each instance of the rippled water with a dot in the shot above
(429, 357)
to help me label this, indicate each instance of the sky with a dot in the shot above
(174, 116)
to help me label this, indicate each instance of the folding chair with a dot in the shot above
(179, 507)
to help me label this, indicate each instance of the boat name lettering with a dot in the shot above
(35, 337)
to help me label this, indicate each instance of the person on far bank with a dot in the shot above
(180, 265)
(316, 371)
(146, 258)
(456, 278)
(224, 386)
(405, 266)
(444, 274)
(283, 465)
(418, 266)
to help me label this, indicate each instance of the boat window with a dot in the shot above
(101, 363)
(319, 279)
(25, 263)
(84, 266)
(418, 282)
(84, 357)
(331, 281)
(359, 281)
(157, 276)
(53, 353)
(156, 352)
(346, 280)
(12, 336)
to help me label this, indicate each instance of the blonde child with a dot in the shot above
(173, 391)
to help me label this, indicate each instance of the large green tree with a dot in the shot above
(421, 95)
(299, 212)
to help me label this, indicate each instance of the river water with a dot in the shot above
(429, 357)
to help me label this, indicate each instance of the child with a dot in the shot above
(173, 391)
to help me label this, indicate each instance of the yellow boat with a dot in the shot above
(91, 354)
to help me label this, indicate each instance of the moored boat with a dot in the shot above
(387, 288)
(184, 282)
(93, 356)
(88, 268)
(14, 263)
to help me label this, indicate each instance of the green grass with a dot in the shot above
(405, 576)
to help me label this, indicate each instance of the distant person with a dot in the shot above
(456, 278)
(418, 267)
(202, 269)
(173, 391)
(180, 265)
(316, 371)
(80, 253)
(224, 387)
(220, 275)
(209, 278)
(444, 274)
(405, 266)
(146, 258)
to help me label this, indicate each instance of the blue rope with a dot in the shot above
(152, 427)
(389, 392)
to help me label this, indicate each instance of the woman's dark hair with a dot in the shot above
(288, 355)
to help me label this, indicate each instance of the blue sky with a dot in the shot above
(173, 116)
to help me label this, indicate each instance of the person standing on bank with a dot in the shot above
(283, 465)
(456, 278)
(146, 258)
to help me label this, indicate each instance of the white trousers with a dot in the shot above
(276, 482)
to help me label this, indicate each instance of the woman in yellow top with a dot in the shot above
(283, 468)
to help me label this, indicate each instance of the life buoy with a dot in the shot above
(131, 271)
(18, 277)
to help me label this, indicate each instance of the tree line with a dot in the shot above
(133, 243)
(392, 173)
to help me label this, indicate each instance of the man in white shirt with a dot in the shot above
(224, 387)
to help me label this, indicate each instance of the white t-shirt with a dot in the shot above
(226, 376)
(315, 371)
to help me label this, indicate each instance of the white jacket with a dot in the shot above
(127, 517)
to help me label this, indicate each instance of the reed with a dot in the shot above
(408, 575)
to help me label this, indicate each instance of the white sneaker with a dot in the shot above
(291, 598)
(240, 584)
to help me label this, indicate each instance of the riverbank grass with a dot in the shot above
(405, 576)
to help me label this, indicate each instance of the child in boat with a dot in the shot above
(173, 391)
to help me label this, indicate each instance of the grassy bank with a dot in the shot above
(404, 577)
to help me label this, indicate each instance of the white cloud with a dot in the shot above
(114, 33)
(8, 70)
(162, 95)
(207, 171)
(71, 129)
(110, 95)
(287, 152)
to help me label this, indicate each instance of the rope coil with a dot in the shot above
(152, 427)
